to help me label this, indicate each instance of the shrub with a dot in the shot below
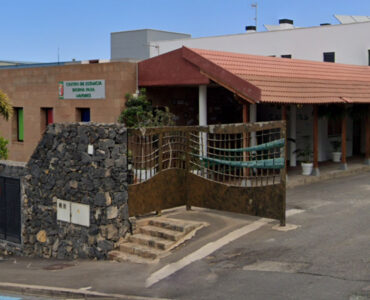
(3, 148)
(140, 113)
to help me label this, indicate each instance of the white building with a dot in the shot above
(137, 44)
(350, 42)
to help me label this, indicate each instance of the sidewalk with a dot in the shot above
(102, 279)
(328, 170)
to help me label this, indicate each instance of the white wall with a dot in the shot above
(350, 42)
(135, 44)
(304, 125)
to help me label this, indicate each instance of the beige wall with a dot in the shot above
(35, 88)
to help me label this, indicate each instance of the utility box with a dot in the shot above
(63, 211)
(80, 214)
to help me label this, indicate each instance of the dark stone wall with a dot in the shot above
(61, 168)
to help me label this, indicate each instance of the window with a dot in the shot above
(47, 117)
(329, 56)
(286, 56)
(18, 124)
(83, 114)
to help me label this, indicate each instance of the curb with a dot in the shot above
(65, 292)
(305, 180)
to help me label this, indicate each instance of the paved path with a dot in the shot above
(326, 257)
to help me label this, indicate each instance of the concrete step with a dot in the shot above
(150, 241)
(140, 250)
(153, 239)
(167, 234)
(173, 224)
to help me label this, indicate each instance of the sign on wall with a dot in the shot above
(81, 89)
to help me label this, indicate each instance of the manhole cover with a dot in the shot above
(58, 267)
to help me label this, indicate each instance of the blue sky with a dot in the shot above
(33, 30)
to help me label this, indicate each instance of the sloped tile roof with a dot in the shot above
(282, 80)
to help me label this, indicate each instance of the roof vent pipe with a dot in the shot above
(250, 29)
(325, 24)
(286, 23)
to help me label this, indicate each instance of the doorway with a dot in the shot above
(10, 210)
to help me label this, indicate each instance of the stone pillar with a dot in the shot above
(344, 144)
(93, 181)
(293, 135)
(315, 171)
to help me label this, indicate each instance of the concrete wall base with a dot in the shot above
(343, 166)
(315, 172)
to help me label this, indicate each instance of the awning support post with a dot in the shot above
(293, 135)
(252, 119)
(284, 118)
(344, 144)
(315, 171)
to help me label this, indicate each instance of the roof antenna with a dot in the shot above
(255, 5)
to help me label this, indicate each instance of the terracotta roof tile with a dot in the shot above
(296, 81)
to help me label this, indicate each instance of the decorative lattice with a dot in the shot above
(236, 154)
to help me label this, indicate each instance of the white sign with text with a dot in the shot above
(82, 89)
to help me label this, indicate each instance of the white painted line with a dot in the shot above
(85, 288)
(210, 248)
(293, 211)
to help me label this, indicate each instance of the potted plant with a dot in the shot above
(306, 154)
(306, 163)
(336, 154)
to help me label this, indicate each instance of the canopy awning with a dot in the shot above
(259, 78)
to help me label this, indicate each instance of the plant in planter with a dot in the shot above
(306, 163)
(139, 113)
(336, 154)
(306, 155)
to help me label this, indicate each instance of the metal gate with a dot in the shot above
(236, 167)
(10, 210)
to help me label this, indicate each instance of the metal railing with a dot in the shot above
(250, 154)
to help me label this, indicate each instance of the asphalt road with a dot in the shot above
(326, 257)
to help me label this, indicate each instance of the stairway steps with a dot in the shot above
(153, 239)
(163, 233)
(140, 250)
(150, 241)
(175, 225)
